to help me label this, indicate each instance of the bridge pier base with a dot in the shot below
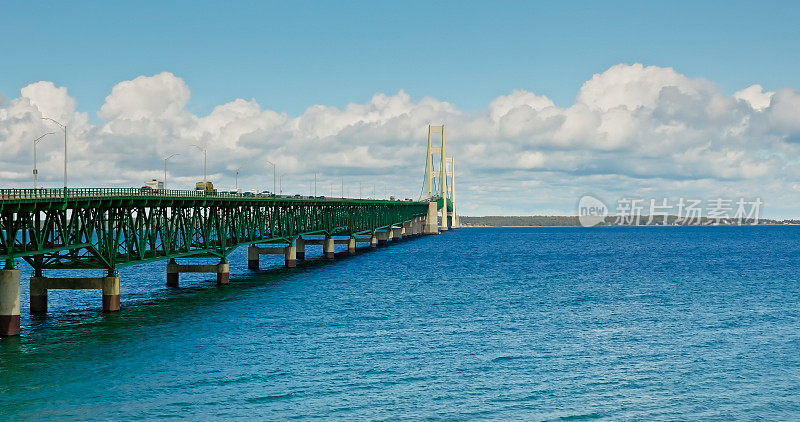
(373, 242)
(328, 247)
(40, 285)
(300, 245)
(351, 245)
(223, 271)
(383, 237)
(9, 302)
(289, 253)
(290, 256)
(397, 234)
(252, 258)
(432, 219)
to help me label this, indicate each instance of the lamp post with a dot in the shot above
(35, 171)
(204, 150)
(64, 127)
(315, 184)
(273, 176)
(165, 169)
(281, 183)
(237, 180)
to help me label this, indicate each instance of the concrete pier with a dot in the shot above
(9, 301)
(300, 245)
(328, 247)
(290, 256)
(383, 237)
(431, 220)
(39, 286)
(174, 269)
(373, 242)
(397, 234)
(351, 245)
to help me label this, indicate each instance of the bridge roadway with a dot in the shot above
(111, 228)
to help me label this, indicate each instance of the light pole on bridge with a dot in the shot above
(281, 183)
(35, 170)
(273, 176)
(64, 127)
(165, 168)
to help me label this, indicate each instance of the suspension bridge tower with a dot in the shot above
(440, 181)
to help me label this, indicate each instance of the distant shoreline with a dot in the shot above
(573, 221)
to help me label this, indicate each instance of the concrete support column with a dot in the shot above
(383, 237)
(9, 302)
(301, 248)
(373, 242)
(351, 245)
(252, 257)
(431, 220)
(397, 234)
(223, 273)
(328, 247)
(110, 294)
(407, 232)
(108, 285)
(290, 256)
(173, 273)
(38, 296)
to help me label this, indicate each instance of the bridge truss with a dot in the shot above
(113, 228)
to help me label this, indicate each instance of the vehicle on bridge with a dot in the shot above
(205, 186)
(154, 184)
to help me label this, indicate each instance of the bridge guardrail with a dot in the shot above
(81, 193)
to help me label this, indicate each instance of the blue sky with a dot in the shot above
(290, 55)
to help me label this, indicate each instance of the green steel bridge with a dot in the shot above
(113, 228)
(107, 229)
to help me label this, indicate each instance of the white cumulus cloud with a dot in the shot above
(633, 129)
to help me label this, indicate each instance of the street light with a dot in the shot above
(281, 183)
(64, 127)
(35, 171)
(165, 169)
(237, 180)
(273, 176)
(204, 150)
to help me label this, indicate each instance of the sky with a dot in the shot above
(542, 102)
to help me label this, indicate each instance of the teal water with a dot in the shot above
(518, 323)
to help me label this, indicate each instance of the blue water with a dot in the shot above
(516, 323)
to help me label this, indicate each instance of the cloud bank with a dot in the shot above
(633, 130)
